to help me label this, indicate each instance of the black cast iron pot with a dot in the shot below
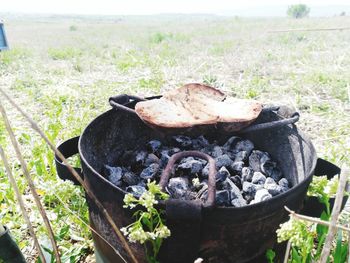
(216, 234)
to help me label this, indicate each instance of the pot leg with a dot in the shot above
(9, 251)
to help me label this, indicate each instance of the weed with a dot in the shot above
(64, 53)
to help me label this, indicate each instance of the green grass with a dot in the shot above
(64, 78)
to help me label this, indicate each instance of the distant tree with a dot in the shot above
(298, 11)
(343, 13)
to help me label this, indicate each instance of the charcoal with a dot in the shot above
(130, 178)
(200, 142)
(237, 167)
(222, 174)
(258, 178)
(255, 159)
(284, 184)
(237, 181)
(127, 159)
(191, 165)
(114, 174)
(247, 174)
(261, 195)
(216, 152)
(238, 202)
(205, 171)
(153, 146)
(241, 156)
(222, 198)
(231, 142)
(178, 187)
(203, 191)
(248, 197)
(272, 187)
(151, 159)
(276, 174)
(164, 157)
(182, 141)
(267, 166)
(223, 160)
(136, 190)
(174, 150)
(141, 157)
(150, 172)
(244, 145)
(250, 189)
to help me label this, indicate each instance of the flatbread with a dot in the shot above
(196, 104)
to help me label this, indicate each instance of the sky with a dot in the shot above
(148, 7)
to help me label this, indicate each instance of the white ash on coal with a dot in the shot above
(245, 175)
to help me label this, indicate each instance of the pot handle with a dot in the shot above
(184, 218)
(119, 101)
(292, 118)
(68, 148)
(165, 176)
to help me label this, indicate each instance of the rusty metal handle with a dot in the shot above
(164, 178)
(273, 124)
(119, 101)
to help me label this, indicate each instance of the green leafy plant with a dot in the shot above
(149, 227)
(307, 239)
(270, 255)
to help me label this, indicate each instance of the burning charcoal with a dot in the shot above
(130, 178)
(231, 142)
(255, 160)
(276, 174)
(114, 174)
(258, 178)
(136, 190)
(244, 145)
(237, 181)
(150, 171)
(284, 184)
(222, 198)
(247, 174)
(177, 187)
(151, 159)
(241, 156)
(237, 167)
(141, 157)
(222, 174)
(191, 165)
(182, 141)
(153, 146)
(200, 142)
(223, 160)
(261, 195)
(272, 187)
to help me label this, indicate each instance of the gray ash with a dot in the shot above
(245, 175)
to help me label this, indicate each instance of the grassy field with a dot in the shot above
(62, 70)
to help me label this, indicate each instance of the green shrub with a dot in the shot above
(64, 53)
(298, 11)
